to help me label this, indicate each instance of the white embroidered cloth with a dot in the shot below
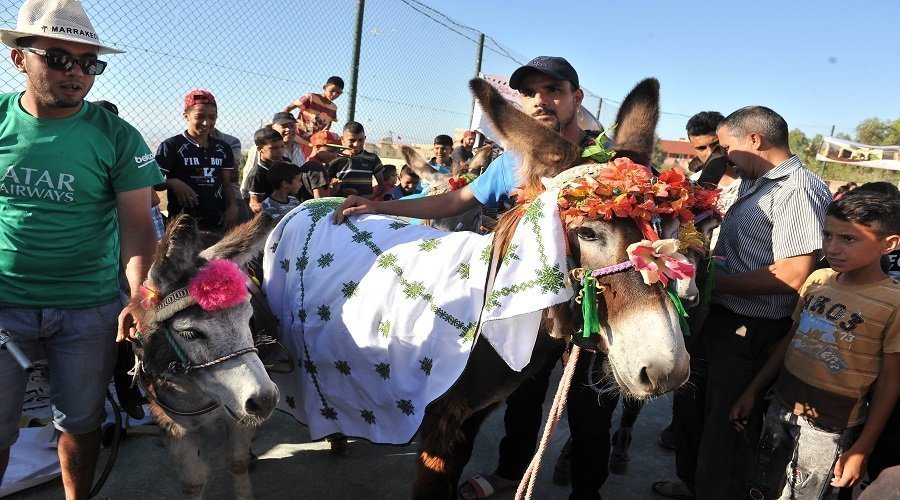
(381, 315)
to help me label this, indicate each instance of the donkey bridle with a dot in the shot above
(183, 366)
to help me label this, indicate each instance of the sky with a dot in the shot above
(817, 63)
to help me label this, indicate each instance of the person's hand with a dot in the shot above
(230, 216)
(183, 193)
(849, 468)
(740, 412)
(128, 326)
(354, 205)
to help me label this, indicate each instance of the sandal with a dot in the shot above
(673, 489)
(482, 486)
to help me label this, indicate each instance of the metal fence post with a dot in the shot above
(354, 68)
(599, 108)
(478, 54)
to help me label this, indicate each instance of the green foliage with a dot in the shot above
(659, 156)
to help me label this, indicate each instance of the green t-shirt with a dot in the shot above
(59, 242)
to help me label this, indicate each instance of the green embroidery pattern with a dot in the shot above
(511, 254)
(413, 289)
(429, 245)
(342, 366)
(406, 406)
(384, 328)
(349, 289)
(383, 370)
(464, 270)
(301, 263)
(285, 265)
(325, 260)
(397, 224)
(426, 364)
(486, 254)
(324, 312)
(368, 416)
(549, 278)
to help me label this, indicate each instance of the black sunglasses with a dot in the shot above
(60, 61)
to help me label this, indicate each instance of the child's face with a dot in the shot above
(441, 152)
(272, 151)
(393, 179)
(332, 91)
(201, 119)
(295, 185)
(849, 246)
(354, 141)
(408, 183)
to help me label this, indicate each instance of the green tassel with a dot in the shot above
(710, 280)
(682, 313)
(589, 307)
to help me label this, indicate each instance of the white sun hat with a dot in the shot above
(57, 19)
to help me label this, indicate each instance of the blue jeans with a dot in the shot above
(80, 345)
(795, 458)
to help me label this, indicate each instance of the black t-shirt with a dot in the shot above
(312, 176)
(180, 157)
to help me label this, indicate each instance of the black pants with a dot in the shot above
(589, 415)
(728, 352)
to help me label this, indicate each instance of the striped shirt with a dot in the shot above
(316, 113)
(776, 216)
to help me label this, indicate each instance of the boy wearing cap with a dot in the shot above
(75, 190)
(198, 168)
(317, 111)
(462, 154)
(314, 181)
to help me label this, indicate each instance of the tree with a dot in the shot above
(873, 131)
(659, 156)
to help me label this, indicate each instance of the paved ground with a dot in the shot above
(291, 466)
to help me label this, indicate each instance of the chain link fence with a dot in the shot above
(258, 57)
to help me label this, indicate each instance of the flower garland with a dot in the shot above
(625, 189)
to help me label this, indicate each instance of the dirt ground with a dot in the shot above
(290, 466)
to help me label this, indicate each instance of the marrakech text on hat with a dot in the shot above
(555, 67)
(58, 19)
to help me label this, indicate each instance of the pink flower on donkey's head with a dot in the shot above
(218, 284)
(660, 261)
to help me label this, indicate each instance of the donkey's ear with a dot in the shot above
(636, 121)
(544, 152)
(176, 253)
(481, 160)
(242, 243)
(417, 163)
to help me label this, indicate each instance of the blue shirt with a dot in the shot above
(502, 176)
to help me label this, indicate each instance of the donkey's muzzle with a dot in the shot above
(262, 404)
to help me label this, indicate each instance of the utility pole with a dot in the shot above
(478, 55)
(354, 69)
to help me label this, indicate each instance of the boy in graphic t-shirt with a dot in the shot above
(838, 368)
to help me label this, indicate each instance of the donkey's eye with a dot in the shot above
(190, 334)
(586, 233)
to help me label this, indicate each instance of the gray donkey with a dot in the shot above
(198, 361)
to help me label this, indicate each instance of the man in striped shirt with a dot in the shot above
(767, 248)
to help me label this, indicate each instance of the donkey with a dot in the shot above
(640, 333)
(197, 359)
(441, 183)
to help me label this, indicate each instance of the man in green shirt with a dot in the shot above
(74, 210)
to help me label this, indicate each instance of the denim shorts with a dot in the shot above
(80, 345)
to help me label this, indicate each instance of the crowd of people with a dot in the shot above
(795, 372)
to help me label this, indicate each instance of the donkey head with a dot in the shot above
(640, 329)
(441, 183)
(196, 317)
